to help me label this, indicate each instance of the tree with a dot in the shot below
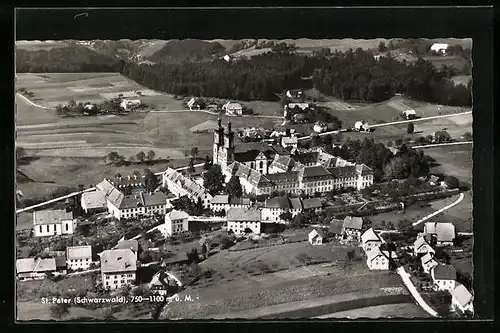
(233, 187)
(136, 173)
(286, 216)
(112, 158)
(20, 153)
(193, 256)
(150, 180)
(451, 182)
(405, 227)
(151, 155)
(208, 163)
(382, 47)
(396, 168)
(213, 179)
(190, 168)
(59, 310)
(467, 136)
(194, 152)
(410, 129)
(140, 156)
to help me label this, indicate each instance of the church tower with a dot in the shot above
(229, 145)
(218, 142)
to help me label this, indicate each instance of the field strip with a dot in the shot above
(31, 103)
(443, 144)
(459, 200)
(421, 119)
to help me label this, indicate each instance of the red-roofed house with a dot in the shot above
(444, 277)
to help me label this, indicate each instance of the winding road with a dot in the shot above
(425, 218)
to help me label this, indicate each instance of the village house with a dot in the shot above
(377, 260)
(53, 222)
(94, 202)
(128, 104)
(312, 204)
(181, 185)
(239, 219)
(439, 48)
(301, 106)
(136, 205)
(314, 179)
(433, 180)
(274, 207)
(421, 246)
(134, 182)
(294, 93)
(194, 104)
(296, 206)
(362, 126)
(78, 257)
(461, 299)
(233, 108)
(61, 265)
(176, 222)
(289, 142)
(441, 233)
(118, 268)
(224, 202)
(370, 240)
(409, 114)
(320, 127)
(34, 269)
(428, 262)
(351, 228)
(335, 229)
(281, 164)
(316, 236)
(444, 277)
(128, 244)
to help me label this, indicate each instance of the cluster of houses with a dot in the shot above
(230, 108)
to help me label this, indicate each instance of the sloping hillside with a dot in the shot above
(71, 58)
(176, 51)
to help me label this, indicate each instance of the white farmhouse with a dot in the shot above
(409, 114)
(444, 277)
(128, 104)
(377, 259)
(320, 127)
(34, 269)
(362, 126)
(462, 299)
(78, 257)
(428, 262)
(53, 222)
(176, 222)
(316, 236)
(422, 247)
(239, 219)
(233, 108)
(439, 47)
(118, 268)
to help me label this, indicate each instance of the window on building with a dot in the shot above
(40, 228)
(67, 226)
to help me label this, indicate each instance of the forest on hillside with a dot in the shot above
(350, 75)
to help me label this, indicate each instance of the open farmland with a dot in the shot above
(402, 310)
(454, 160)
(239, 282)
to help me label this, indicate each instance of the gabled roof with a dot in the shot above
(314, 171)
(39, 265)
(444, 272)
(221, 199)
(282, 203)
(363, 170)
(119, 260)
(353, 222)
(370, 235)
(130, 244)
(106, 186)
(296, 203)
(428, 257)
(306, 157)
(50, 216)
(280, 150)
(462, 295)
(239, 201)
(177, 215)
(244, 214)
(374, 253)
(444, 231)
(419, 242)
(344, 171)
(284, 163)
(312, 203)
(335, 226)
(292, 176)
(94, 199)
(78, 252)
(154, 199)
(317, 231)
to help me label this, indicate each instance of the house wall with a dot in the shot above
(428, 266)
(444, 284)
(441, 243)
(316, 240)
(272, 214)
(117, 280)
(369, 245)
(173, 227)
(32, 276)
(239, 227)
(424, 249)
(364, 181)
(83, 263)
(378, 263)
(45, 230)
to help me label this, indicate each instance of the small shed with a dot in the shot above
(316, 236)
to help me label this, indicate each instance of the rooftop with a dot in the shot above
(370, 235)
(462, 295)
(119, 260)
(39, 265)
(314, 171)
(51, 216)
(177, 215)
(353, 222)
(444, 272)
(335, 226)
(312, 203)
(130, 244)
(282, 203)
(244, 214)
(296, 203)
(94, 199)
(428, 257)
(78, 252)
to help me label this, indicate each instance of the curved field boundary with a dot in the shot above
(406, 280)
(460, 198)
(25, 99)
(443, 144)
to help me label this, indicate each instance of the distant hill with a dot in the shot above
(176, 51)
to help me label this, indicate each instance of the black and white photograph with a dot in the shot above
(252, 178)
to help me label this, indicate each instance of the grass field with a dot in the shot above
(454, 160)
(403, 310)
(237, 283)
